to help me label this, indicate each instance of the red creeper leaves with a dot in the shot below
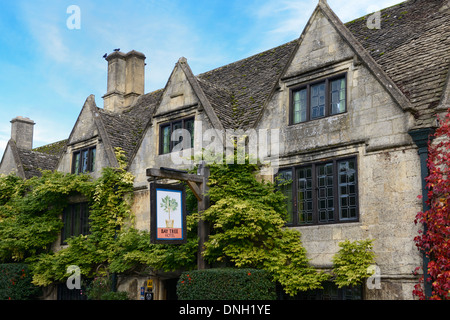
(435, 241)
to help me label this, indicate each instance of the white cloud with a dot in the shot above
(290, 16)
(44, 25)
(47, 131)
(296, 15)
(285, 20)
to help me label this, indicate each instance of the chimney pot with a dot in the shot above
(126, 78)
(22, 132)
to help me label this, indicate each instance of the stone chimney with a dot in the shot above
(126, 78)
(22, 132)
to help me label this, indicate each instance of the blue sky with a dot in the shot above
(48, 70)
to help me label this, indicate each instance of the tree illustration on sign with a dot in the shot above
(169, 204)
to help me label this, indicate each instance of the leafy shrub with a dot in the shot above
(226, 284)
(98, 287)
(15, 282)
(248, 228)
(119, 295)
(351, 262)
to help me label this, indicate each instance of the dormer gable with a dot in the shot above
(326, 43)
(88, 147)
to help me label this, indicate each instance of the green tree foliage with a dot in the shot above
(110, 201)
(351, 262)
(15, 282)
(247, 221)
(30, 212)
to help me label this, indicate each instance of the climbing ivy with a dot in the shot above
(30, 212)
(247, 222)
(246, 218)
(110, 208)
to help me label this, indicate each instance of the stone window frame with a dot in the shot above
(328, 107)
(171, 124)
(76, 218)
(91, 156)
(293, 203)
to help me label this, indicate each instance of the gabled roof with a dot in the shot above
(413, 48)
(409, 54)
(33, 162)
(204, 100)
(239, 90)
(126, 129)
(55, 148)
(29, 163)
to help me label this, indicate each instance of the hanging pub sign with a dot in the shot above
(167, 213)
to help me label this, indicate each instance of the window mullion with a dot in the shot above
(294, 197)
(89, 157)
(308, 102)
(80, 162)
(291, 108)
(72, 222)
(314, 191)
(336, 191)
(327, 98)
(170, 137)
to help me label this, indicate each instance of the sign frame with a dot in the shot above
(167, 235)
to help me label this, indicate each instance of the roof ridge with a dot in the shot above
(244, 59)
(48, 148)
(381, 10)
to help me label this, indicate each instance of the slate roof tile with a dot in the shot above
(125, 129)
(33, 162)
(238, 91)
(412, 47)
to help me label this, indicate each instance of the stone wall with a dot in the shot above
(8, 165)
(375, 130)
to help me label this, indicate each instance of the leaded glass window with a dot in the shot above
(84, 160)
(318, 99)
(325, 192)
(338, 96)
(166, 144)
(284, 181)
(304, 195)
(300, 106)
(75, 221)
(347, 190)
(325, 196)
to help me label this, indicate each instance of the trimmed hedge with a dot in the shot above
(226, 284)
(15, 282)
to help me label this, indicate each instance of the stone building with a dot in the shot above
(351, 104)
